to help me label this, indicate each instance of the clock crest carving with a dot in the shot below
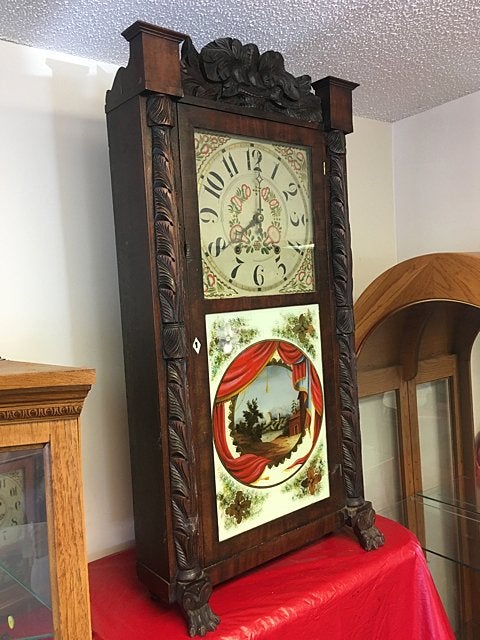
(231, 220)
(238, 74)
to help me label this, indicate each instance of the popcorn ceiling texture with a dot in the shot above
(407, 55)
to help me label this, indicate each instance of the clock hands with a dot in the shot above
(258, 217)
(264, 241)
(238, 234)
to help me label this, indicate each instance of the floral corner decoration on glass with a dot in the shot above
(298, 328)
(238, 504)
(312, 479)
(240, 507)
(228, 337)
(309, 481)
(206, 144)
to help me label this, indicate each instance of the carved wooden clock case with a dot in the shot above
(233, 246)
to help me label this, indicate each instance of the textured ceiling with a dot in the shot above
(407, 55)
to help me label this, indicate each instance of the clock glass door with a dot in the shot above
(25, 597)
(262, 332)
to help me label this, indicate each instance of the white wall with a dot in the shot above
(436, 177)
(370, 188)
(437, 188)
(58, 279)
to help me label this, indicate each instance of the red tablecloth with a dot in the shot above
(330, 590)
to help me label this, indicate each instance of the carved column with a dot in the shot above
(336, 98)
(193, 584)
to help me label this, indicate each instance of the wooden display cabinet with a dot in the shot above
(43, 567)
(415, 328)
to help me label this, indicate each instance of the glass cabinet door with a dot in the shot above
(25, 596)
(380, 454)
(476, 416)
(417, 333)
(438, 484)
(435, 434)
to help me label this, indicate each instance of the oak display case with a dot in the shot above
(43, 568)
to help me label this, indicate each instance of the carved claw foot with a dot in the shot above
(362, 519)
(193, 599)
(201, 620)
(371, 538)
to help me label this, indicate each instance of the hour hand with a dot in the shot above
(258, 219)
(237, 232)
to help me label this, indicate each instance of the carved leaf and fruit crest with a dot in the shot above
(227, 70)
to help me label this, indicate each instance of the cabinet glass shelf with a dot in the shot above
(458, 494)
(451, 520)
(25, 604)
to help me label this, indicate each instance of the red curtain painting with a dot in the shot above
(248, 468)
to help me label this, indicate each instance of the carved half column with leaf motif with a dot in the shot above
(336, 98)
(193, 584)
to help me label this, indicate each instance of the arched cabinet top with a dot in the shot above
(448, 277)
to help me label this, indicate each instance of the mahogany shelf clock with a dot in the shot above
(233, 245)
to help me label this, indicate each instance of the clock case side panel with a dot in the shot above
(130, 161)
(336, 96)
(225, 559)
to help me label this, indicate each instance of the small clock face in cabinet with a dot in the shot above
(255, 214)
(12, 505)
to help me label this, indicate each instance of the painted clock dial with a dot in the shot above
(255, 214)
(12, 505)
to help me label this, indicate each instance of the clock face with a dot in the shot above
(255, 213)
(12, 505)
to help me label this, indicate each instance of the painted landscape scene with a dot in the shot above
(269, 416)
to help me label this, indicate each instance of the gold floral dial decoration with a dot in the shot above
(255, 215)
